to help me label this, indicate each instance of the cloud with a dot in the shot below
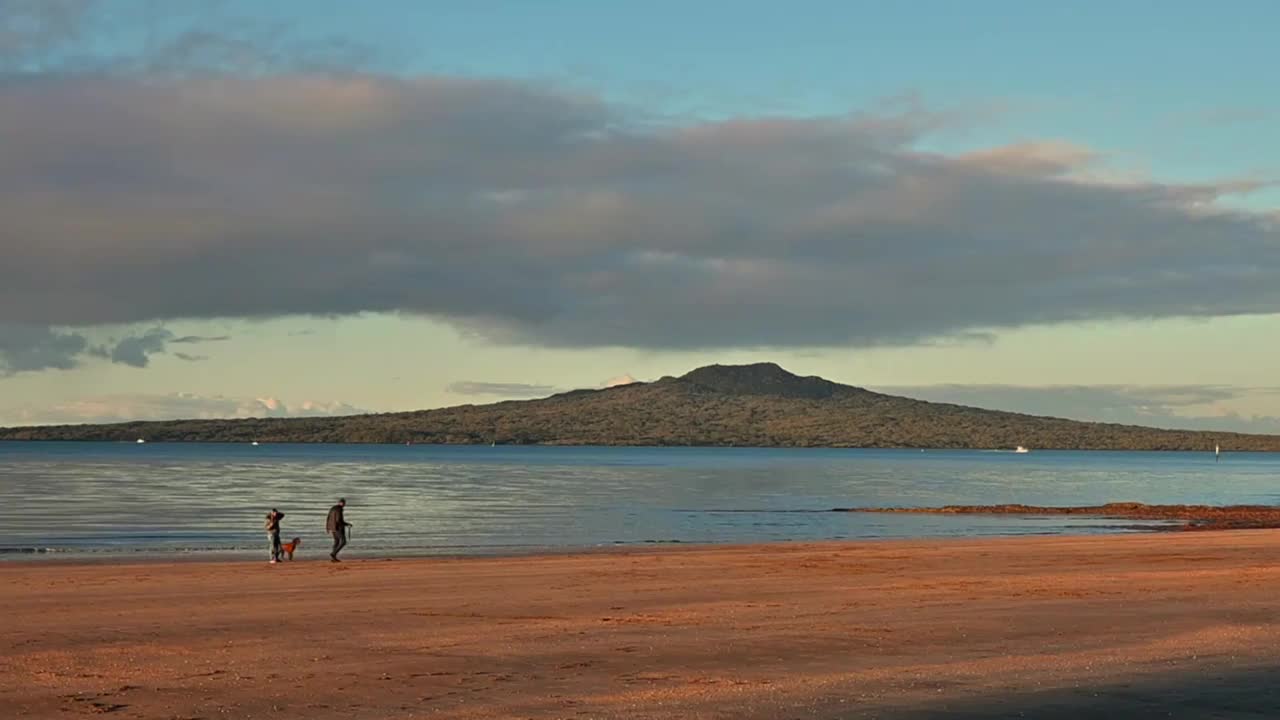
(28, 348)
(136, 350)
(174, 406)
(522, 390)
(526, 214)
(312, 408)
(189, 339)
(1194, 407)
(29, 28)
(127, 36)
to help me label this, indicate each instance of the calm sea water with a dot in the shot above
(106, 498)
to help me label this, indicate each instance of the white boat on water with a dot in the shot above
(1021, 449)
(141, 441)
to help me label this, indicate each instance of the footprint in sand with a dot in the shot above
(95, 704)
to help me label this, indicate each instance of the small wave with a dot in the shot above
(761, 511)
(138, 550)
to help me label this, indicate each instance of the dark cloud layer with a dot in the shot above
(537, 217)
(222, 176)
(533, 216)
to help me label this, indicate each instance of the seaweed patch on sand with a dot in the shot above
(1180, 517)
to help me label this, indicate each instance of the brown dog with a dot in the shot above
(289, 547)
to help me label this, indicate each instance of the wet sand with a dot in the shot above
(1143, 625)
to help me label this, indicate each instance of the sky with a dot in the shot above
(233, 208)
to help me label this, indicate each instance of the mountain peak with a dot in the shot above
(760, 379)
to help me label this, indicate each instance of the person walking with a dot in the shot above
(336, 525)
(273, 533)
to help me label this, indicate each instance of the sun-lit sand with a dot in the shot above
(1159, 625)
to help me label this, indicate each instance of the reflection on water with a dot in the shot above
(431, 499)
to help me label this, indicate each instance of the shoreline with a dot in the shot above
(240, 557)
(254, 557)
(314, 553)
(1123, 625)
(1160, 519)
(630, 446)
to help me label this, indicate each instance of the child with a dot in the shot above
(273, 533)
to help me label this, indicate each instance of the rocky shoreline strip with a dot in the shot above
(1180, 517)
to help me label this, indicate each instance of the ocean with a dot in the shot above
(189, 499)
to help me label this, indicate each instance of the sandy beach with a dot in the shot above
(1144, 625)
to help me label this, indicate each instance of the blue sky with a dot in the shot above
(315, 207)
(1159, 84)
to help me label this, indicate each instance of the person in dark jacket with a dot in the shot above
(273, 533)
(336, 525)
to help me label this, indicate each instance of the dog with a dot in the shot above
(289, 547)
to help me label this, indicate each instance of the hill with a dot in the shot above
(743, 405)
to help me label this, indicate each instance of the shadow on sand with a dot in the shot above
(1227, 694)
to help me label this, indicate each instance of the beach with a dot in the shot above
(1136, 625)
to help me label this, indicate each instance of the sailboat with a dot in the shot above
(1217, 452)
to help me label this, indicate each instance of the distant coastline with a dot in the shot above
(760, 405)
